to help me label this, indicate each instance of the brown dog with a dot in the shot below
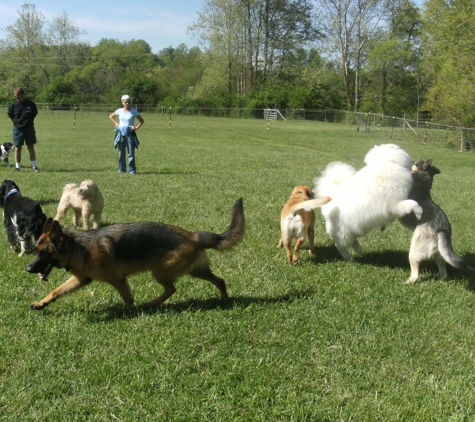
(112, 253)
(85, 200)
(297, 220)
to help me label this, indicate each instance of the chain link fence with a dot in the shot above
(421, 129)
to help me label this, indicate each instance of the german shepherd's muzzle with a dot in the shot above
(112, 253)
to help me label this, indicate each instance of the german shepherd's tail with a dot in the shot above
(228, 239)
(447, 251)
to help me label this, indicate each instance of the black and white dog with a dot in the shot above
(23, 217)
(5, 150)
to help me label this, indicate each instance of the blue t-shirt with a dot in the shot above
(126, 119)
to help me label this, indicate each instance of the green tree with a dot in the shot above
(392, 75)
(449, 59)
(63, 37)
(24, 52)
(250, 42)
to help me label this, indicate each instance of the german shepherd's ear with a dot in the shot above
(56, 230)
(53, 228)
(426, 164)
(48, 225)
(432, 169)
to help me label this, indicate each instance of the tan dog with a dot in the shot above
(85, 200)
(297, 220)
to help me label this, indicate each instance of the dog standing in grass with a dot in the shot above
(368, 199)
(85, 200)
(23, 218)
(432, 234)
(297, 220)
(5, 150)
(114, 252)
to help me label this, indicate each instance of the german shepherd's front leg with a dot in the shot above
(69, 286)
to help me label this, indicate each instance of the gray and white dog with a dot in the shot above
(5, 150)
(432, 234)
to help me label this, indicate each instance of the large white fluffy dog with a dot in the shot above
(367, 199)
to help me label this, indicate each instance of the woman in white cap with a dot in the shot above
(126, 137)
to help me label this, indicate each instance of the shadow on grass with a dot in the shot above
(121, 312)
(49, 202)
(400, 260)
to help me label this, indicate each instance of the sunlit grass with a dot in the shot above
(325, 340)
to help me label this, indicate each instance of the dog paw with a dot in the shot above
(410, 281)
(418, 212)
(37, 306)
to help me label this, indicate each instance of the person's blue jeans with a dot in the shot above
(126, 147)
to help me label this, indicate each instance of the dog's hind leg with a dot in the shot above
(296, 257)
(311, 240)
(288, 251)
(62, 210)
(96, 220)
(76, 217)
(170, 289)
(204, 272)
(69, 286)
(441, 264)
(124, 290)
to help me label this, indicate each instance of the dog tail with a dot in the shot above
(228, 239)
(310, 204)
(334, 175)
(447, 251)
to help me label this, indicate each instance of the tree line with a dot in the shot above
(379, 56)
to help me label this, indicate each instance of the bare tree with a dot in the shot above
(350, 25)
(63, 37)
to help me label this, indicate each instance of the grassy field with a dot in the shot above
(326, 340)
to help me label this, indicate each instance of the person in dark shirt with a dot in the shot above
(22, 113)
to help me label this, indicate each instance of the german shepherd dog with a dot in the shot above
(114, 252)
(432, 234)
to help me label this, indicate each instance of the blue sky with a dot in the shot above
(158, 22)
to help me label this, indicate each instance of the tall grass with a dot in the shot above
(324, 340)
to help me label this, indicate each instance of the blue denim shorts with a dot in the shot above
(22, 136)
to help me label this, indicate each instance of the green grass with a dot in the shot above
(326, 340)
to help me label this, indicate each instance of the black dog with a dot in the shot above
(23, 217)
(5, 150)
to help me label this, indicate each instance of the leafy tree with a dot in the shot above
(250, 41)
(65, 46)
(449, 59)
(24, 49)
(181, 70)
(392, 72)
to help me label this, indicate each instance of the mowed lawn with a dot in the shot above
(326, 340)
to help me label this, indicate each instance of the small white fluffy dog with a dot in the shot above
(85, 200)
(368, 199)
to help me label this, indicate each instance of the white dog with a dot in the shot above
(85, 200)
(367, 199)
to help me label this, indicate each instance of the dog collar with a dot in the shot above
(12, 191)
